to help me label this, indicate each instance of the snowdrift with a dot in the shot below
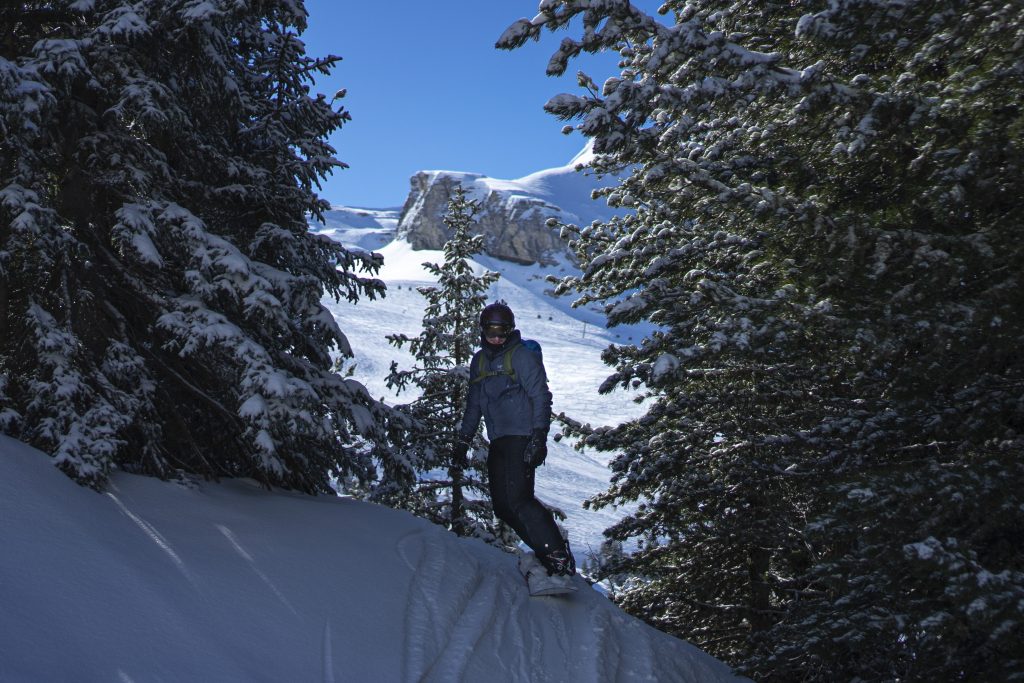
(157, 581)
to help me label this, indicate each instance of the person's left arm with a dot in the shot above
(530, 369)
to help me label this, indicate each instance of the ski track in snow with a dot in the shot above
(155, 536)
(444, 635)
(255, 568)
(328, 653)
(441, 633)
(486, 608)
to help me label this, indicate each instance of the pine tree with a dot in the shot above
(159, 289)
(434, 484)
(823, 226)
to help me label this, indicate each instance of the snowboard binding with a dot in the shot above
(552, 574)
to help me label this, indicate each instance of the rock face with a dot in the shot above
(513, 225)
(513, 213)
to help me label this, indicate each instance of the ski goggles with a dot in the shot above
(496, 330)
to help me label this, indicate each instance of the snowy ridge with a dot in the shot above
(564, 191)
(228, 582)
(366, 229)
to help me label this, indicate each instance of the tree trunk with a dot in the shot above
(758, 563)
(458, 512)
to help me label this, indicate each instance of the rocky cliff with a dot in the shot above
(512, 215)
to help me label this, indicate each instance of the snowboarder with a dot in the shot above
(509, 389)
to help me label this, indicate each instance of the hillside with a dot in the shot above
(189, 581)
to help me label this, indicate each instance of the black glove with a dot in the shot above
(459, 450)
(536, 448)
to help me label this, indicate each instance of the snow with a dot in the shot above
(161, 581)
(124, 21)
(666, 364)
(923, 550)
(200, 11)
(367, 229)
(135, 224)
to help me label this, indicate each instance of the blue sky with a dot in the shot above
(428, 90)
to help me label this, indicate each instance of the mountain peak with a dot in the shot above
(513, 213)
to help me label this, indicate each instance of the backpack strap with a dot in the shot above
(483, 372)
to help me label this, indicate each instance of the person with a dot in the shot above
(508, 388)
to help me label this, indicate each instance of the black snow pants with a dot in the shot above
(511, 482)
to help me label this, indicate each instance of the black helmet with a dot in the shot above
(498, 314)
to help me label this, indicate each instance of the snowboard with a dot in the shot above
(539, 582)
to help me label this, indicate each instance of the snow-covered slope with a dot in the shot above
(157, 581)
(367, 229)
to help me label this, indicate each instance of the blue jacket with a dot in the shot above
(509, 406)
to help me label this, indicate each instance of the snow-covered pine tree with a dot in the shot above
(159, 289)
(726, 373)
(824, 222)
(434, 484)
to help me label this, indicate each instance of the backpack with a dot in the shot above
(506, 369)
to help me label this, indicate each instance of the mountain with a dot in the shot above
(513, 213)
(195, 581)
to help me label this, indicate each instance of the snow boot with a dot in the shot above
(560, 562)
(540, 581)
